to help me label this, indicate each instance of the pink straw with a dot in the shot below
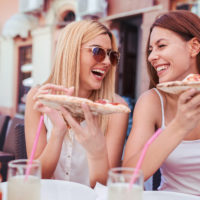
(139, 163)
(34, 146)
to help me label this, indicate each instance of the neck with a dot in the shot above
(84, 94)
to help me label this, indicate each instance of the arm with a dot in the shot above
(186, 119)
(111, 154)
(100, 149)
(32, 116)
(116, 134)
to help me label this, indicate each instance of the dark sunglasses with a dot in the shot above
(99, 54)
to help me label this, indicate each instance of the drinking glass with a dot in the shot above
(21, 186)
(119, 187)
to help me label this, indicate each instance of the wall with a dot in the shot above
(6, 75)
(118, 6)
(7, 9)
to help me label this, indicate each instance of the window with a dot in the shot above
(193, 5)
(25, 72)
(66, 18)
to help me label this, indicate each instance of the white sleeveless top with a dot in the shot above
(181, 170)
(72, 164)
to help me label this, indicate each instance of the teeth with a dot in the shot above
(160, 68)
(99, 71)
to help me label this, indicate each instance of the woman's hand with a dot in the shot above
(188, 110)
(91, 136)
(54, 115)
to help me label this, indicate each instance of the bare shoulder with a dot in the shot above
(32, 92)
(150, 97)
(119, 99)
(148, 107)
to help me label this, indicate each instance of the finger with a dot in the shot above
(70, 91)
(187, 95)
(195, 101)
(71, 121)
(37, 105)
(41, 108)
(89, 117)
(40, 92)
(52, 89)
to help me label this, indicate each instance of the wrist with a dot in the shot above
(178, 129)
(98, 155)
(60, 133)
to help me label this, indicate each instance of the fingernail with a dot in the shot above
(192, 89)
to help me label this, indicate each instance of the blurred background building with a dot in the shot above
(29, 30)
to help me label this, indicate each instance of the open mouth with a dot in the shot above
(161, 68)
(98, 72)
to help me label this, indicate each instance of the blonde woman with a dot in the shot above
(85, 65)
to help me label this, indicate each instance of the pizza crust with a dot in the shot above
(73, 104)
(176, 87)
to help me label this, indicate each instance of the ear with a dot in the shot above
(194, 45)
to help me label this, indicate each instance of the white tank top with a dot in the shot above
(181, 170)
(72, 164)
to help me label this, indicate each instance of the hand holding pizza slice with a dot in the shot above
(73, 104)
(176, 87)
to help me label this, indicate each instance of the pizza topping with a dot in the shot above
(192, 78)
(106, 101)
(115, 104)
(102, 101)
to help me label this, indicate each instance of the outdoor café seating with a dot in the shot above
(13, 146)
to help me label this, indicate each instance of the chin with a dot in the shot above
(96, 86)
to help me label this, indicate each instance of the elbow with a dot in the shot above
(102, 181)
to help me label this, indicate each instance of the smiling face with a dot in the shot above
(170, 55)
(92, 72)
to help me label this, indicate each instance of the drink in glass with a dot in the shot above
(119, 187)
(21, 186)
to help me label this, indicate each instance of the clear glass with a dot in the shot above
(119, 184)
(1, 195)
(19, 186)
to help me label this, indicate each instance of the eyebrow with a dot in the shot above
(158, 41)
(96, 45)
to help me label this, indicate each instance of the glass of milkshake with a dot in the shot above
(22, 186)
(119, 187)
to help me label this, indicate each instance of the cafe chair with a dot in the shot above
(4, 119)
(14, 146)
(20, 143)
(156, 179)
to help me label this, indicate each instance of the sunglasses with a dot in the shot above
(99, 54)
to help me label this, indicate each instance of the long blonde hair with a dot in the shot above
(66, 66)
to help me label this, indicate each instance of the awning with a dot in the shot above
(19, 24)
(131, 13)
(28, 82)
(27, 68)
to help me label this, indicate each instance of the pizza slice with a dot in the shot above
(176, 87)
(73, 104)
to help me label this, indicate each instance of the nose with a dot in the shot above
(153, 56)
(107, 59)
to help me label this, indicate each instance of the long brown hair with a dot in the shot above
(184, 23)
(66, 66)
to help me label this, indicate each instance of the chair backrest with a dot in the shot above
(14, 146)
(10, 140)
(20, 144)
(156, 179)
(4, 119)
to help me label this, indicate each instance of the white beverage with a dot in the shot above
(121, 191)
(21, 189)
